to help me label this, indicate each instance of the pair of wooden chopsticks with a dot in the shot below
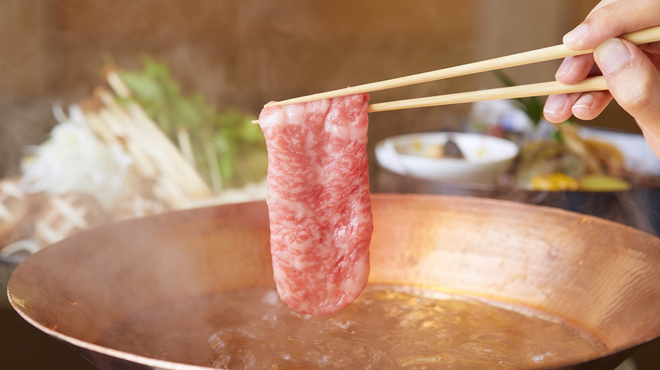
(540, 89)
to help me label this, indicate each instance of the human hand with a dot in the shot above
(631, 72)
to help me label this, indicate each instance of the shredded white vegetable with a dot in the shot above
(73, 159)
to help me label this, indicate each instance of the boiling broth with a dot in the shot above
(386, 327)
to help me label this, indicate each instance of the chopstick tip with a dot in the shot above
(272, 104)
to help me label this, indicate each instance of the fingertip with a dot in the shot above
(552, 118)
(575, 69)
(590, 105)
(573, 39)
(582, 107)
(555, 104)
(554, 107)
(586, 101)
(564, 68)
(558, 107)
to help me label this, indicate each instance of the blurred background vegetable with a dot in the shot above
(223, 145)
(553, 157)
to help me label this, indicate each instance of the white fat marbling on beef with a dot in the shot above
(318, 201)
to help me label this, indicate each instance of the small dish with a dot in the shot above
(486, 157)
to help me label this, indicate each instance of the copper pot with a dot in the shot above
(598, 274)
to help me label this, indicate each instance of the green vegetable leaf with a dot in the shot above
(227, 135)
(556, 136)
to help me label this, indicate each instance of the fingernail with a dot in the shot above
(565, 66)
(585, 102)
(577, 33)
(555, 104)
(612, 54)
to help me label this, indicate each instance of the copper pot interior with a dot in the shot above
(594, 273)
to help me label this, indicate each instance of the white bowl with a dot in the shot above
(486, 157)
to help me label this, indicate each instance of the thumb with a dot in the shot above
(633, 81)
